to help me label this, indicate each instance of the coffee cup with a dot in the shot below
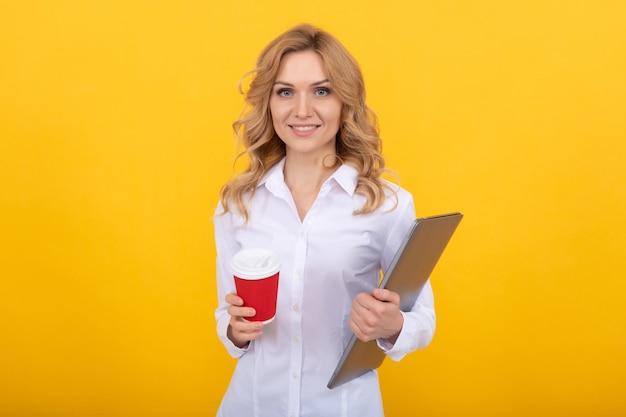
(256, 272)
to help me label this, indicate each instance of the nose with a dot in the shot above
(303, 106)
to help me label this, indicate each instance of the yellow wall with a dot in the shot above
(115, 137)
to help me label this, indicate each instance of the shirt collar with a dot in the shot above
(345, 176)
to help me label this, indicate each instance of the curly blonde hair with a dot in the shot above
(358, 142)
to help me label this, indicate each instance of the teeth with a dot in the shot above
(303, 128)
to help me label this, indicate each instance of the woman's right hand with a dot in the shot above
(241, 332)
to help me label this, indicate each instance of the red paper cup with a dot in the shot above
(256, 273)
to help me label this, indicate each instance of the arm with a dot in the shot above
(376, 315)
(233, 331)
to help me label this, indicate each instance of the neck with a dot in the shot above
(303, 175)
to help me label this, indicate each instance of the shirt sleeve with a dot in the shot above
(226, 246)
(418, 328)
(419, 323)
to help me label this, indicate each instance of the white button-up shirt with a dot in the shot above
(327, 259)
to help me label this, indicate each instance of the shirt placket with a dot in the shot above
(295, 371)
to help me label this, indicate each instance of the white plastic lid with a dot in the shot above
(255, 263)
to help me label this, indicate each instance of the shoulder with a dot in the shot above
(227, 219)
(396, 198)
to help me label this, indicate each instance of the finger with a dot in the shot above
(385, 295)
(356, 329)
(243, 331)
(236, 308)
(360, 332)
(364, 300)
(235, 311)
(233, 299)
(243, 326)
(362, 318)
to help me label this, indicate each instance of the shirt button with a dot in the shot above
(296, 307)
(296, 339)
(294, 375)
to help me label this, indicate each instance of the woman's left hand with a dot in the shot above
(376, 315)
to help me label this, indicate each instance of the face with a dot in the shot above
(305, 111)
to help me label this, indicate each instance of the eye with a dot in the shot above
(284, 92)
(322, 91)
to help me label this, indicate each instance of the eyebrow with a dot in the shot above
(291, 85)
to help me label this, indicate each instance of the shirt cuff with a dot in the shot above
(398, 350)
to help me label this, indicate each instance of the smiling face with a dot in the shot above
(305, 112)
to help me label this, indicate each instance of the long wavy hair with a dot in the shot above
(357, 143)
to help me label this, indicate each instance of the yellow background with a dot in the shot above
(115, 138)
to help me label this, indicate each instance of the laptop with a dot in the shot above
(409, 270)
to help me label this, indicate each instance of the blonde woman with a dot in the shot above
(313, 193)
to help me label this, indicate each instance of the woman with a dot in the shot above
(313, 192)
